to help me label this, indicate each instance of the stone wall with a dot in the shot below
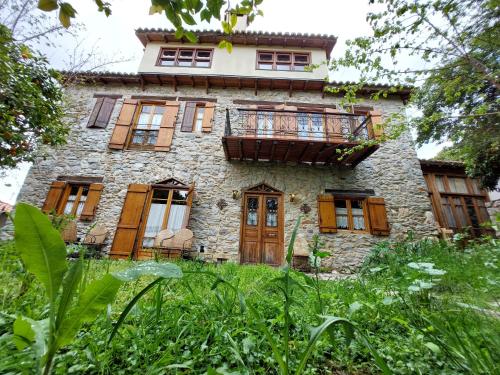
(393, 172)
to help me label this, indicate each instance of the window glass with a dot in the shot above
(198, 121)
(252, 211)
(146, 130)
(271, 212)
(439, 183)
(178, 210)
(448, 213)
(185, 62)
(341, 214)
(71, 200)
(482, 209)
(283, 57)
(460, 212)
(317, 125)
(299, 68)
(76, 200)
(203, 54)
(186, 54)
(155, 216)
(471, 211)
(358, 217)
(83, 198)
(143, 119)
(303, 59)
(265, 56)
(283, 66)
(158, 114)
(265, 123)
(475, 186)
(303, 125)
(265, 66)
(202, 64)
(457, 185)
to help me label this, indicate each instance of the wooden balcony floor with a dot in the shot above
(315, 152)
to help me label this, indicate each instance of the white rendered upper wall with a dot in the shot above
(241, 62)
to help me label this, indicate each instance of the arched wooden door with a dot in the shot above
(262, 226)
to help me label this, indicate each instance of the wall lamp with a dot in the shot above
(292, 197)
(236, 194)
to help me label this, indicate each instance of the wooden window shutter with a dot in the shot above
(123, 124)
(189, 203)
(375, 129)
(326, 214)
(130, 220)
(208, 117)
(93, 197)
(378, 216)
(188, 119)
(167, 126)
(53, 196)
(95, 112)
(104, 115)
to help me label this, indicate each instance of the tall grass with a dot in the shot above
(198, 324)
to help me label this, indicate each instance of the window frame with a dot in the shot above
(194, 57)
(65, 195)
(198, 106)
(274, 62)
(350, 220)
(144, 147)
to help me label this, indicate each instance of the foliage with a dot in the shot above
(180, 13)
(454, 45)
(203, 323)
(43, 253)
(30, 103)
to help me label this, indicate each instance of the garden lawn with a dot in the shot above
(425, 307)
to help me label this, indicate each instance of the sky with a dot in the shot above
(113, 38)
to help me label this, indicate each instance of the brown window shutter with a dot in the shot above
(167, 126)
(188, 119)
(95, 112)
(326, 214)
(53, 196)
(105, 112)
(378, 216)
(123, 124)
(208, 117)
(375, 130)
(130, 220)
(90, 206)
(189, 203)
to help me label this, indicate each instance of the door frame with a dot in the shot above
(264, 190)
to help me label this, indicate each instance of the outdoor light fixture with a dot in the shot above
(292, 197)
(236, 194)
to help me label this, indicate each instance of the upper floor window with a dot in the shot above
(296, 61)
(147, 126)
(188, 57)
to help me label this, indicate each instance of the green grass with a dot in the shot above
(186, 326)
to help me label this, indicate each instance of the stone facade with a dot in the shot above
(393, 172)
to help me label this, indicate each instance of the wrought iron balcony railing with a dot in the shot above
(303, 125)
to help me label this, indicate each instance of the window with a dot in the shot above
(283, 61)
(75, 200)
(147, 126)
(79, 199)
(187, 57)
(350, 214)
(457, 202)
(353, 212)
(103, 108)
(198, 117)
(310, 125)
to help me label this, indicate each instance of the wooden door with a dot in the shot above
(262, 228)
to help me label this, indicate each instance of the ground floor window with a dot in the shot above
(74, 199)
(168, 209)
(350, 214)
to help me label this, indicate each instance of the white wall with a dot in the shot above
(240, 62)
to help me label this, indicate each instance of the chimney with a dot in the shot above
(241, 20)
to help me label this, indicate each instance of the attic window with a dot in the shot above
(283, 60)
(186, 57)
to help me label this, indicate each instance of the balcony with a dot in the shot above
(315, 138)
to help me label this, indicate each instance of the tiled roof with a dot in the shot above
(298, 40)
(442, 163)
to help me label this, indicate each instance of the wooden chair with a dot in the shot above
(69, 232)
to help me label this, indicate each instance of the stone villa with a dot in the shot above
(235, 147)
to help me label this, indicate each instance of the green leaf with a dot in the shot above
(289, 253)
(70, 284)
(316, 333)
(29, 332)
(187, 18)
(153, 9)
(47, 5)
(64, 19)
(98, 294)
(433, 347)
(355, 306)
(222, 44)
(41, 247)
(130, 305)
(191, 36)
(66, 12)
(149, 268)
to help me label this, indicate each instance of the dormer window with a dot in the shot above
(283, 61)
(187, 57)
